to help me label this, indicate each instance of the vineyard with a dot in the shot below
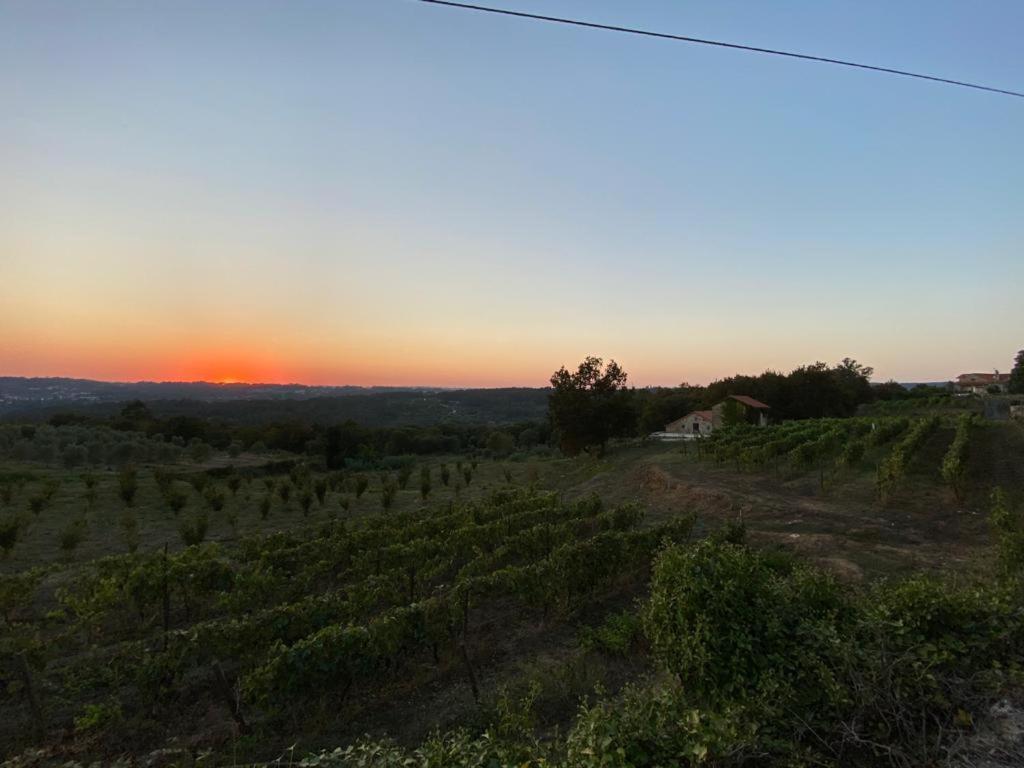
(314, 615)
(828, 446)
(206, 608)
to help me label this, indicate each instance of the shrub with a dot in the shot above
(72, 535)
(176, 499)
(388, 492)
(37, 504)
(425, 484)
(193, 529)
(362, 483)
(10, 527)
(215, 498)
(130, 527)
(97, 717)
(305, 502)
(128, 485)
(615, 636)
(1008, 533)
(655, 726)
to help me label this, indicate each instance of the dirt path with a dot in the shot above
(843, 527)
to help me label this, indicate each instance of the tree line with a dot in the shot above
(594, 403)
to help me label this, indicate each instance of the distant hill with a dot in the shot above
(17, 393)
(38, 399)
(912, 384)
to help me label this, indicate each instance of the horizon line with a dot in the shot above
(208, 382)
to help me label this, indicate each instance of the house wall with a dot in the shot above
(749, 415)
(686, 424)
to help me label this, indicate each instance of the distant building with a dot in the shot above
(735, 409)
(694, 423)
(980, 383)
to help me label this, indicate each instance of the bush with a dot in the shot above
(176, 499)
(128, 485)
(215, 498)
(193, 529)
(654, 726)
(730, 623)
(615, 636)
(130, 527)
(10, 527)
(1008, 533)
(72, 535)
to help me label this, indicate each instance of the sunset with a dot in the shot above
(388, 193)
(511, 383)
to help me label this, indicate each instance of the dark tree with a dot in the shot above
(590, 406)
(1016, 386)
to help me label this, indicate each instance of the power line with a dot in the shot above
(719, 44)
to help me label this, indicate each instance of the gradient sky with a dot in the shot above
(381, 191)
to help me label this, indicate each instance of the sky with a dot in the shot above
(389, 192)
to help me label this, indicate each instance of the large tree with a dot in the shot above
(590, 405)
(1016, 386)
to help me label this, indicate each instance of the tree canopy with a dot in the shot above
(1016, 385)
(590, 405)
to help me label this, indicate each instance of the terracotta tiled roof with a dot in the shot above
(979, 378)
(706, 415)
(749, 401)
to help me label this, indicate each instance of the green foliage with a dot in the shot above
(320, 488)
(214, 497)
(425, 484)
(362, 483)
(10, 528)
(96, 717)
(176, 498)
(1008, 532)
(807, 667)
(388, 491)
(894, 467)
(72, 535)
(305, 501)
(654, 726)
(130, 528)
(590, 406)
(723, 619)
(265, 507)
(284, 491)
(1016, 384)
(954, 463)
(616, 636)
(128, 485)
(500, 444)
(37, 504)
(193, 528)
